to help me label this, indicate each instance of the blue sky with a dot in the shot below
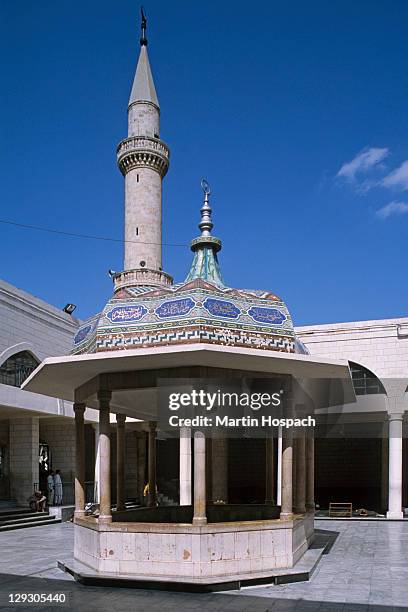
(295, 112)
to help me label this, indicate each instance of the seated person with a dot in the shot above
(37, 501)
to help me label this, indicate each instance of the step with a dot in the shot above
(301, 572)
(15, 511)
(8, 503)
(28, 519)
(17, 515)
(50, 521)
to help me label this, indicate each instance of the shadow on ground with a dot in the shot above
(325, 538)
(103, 599)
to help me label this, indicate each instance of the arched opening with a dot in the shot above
(17, 368)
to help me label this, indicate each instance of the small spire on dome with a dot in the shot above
(205, 264)
(206, 224)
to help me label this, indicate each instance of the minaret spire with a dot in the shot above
(143, 89)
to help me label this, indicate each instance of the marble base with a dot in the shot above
(190, 551)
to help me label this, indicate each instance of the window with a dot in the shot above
(17, 368)
(364, 381)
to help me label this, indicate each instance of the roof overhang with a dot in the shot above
(61, 376)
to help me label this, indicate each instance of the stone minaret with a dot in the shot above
(143, 160)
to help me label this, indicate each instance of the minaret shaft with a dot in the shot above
(143, 219)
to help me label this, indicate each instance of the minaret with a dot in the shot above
(143, 160)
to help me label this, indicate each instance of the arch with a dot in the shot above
(17, 368)
(365, 382)
(18, 348)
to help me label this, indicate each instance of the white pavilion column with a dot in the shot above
(270, 471)
(97, 462)
(279, 474)
(310, 503)
(185, 466)
(199, 516)
(384, 471)
(395, 466)
(287, 467)
(105, 512)
(120, 461)
(152, 495)
(79, 410)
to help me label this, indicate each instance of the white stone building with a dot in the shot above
(31, 425)
(367, 457)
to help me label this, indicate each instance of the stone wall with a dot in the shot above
(5, 459)
(380, 345)
(24, 467)
(27, 319)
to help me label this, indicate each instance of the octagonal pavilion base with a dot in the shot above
(228, 550)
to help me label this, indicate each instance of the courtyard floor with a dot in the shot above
(366, 569)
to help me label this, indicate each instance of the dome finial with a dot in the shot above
(206, 224)
(205, 248)
(143, 39)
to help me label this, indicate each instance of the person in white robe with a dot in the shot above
(50, 488)
(58, 488)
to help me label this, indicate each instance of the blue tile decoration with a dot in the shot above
(175, 308)
(82, 334)
(126, 314)
(221, 308)
(272, 316)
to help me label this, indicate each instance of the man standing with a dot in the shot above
(50, 487)
(58, 488)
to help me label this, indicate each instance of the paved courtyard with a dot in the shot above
(366, 569)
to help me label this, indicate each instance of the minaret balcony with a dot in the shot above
(141, 276)
(142, 152)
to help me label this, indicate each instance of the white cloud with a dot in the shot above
(393, 208)
(398, 178)
(364, 161)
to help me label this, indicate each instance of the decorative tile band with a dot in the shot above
(199, 334)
